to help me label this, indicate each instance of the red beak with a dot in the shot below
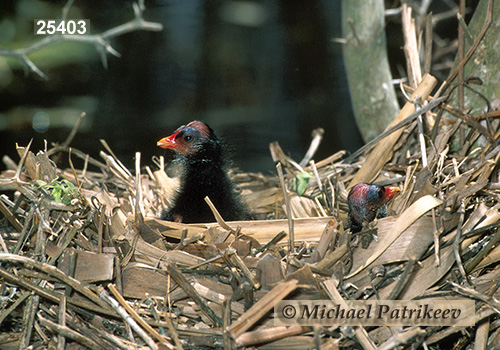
(168, 142)
(391, 192)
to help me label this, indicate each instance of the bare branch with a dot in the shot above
(100, 41)
(65, 9)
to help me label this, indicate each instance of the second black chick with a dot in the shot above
(367, 202)
(204, 173)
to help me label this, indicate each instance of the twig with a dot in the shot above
(53, 296)
(69, 237)
(472, 263)
(65, 9)
(68, 333)
(435, 234)
(21, 162)
(79, 186)
(428, 44)
(25, 233)
(261, 307)
(396, 127)
(401, 339)
(12, 219)
(492, 302)
(414, 70)
(317, 136)
(471, 51)
(139, 215)
(316, 175)
(217, 216)
(98, 335)
(61, 340)
(100, 41)
(321, 188)
(173, 331)
(30, 312)
(481, 315)
(267, 335)
(226, 253)
(421, 140)
(138, 318)
(74, 130)
(481, 338)
(244, 269)
(69, 139)
(6, 312)
(291, 237)
(118, 272)
(403, 279)
(411, 47)
(274, 240)
(122, 168)
(460, 57)
(54, 272)
(361, 333)
(193, 294)
(468, 119)
(72, 261)
(126, 317)
(226, 339)
(77, 153)
(2, 242)
(456, 244)
(100, 229)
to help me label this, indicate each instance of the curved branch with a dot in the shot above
(100, 41)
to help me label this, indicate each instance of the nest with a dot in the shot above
(86, 262)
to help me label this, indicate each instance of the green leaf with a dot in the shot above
(41, 183)
(301, 181)
(71, 188)
(57, 194)
(62, 190)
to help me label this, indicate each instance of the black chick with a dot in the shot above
(204, 173)
(368, 201)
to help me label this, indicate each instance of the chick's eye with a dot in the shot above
(380, 193)
(188, 138)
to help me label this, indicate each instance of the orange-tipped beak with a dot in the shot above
(391, 192)
(168, 142)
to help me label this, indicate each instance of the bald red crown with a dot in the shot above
(366, 202)
(187, 139)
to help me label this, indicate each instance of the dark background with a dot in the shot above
(256, 71)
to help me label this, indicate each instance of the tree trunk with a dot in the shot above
(484, 63)
(365, 53)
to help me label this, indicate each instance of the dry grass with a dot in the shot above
(86, 262)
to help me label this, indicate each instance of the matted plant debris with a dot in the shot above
(86, 263)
